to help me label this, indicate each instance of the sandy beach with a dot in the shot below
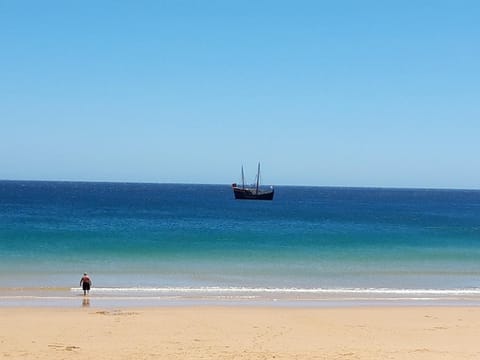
(241, 333)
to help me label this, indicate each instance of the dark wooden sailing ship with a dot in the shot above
(253, 192)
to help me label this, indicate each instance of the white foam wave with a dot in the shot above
(299, 291)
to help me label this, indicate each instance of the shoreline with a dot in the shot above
(240, 297)
(126, 303)
(241, 332)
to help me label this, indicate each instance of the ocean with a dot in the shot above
(149, 244)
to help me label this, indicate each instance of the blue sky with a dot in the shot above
(327, 93)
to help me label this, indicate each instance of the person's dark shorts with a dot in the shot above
(86, 286)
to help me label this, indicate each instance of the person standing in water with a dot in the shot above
(85, 283)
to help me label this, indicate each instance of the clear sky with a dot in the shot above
(327, 93)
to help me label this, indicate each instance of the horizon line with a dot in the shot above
(229, 184)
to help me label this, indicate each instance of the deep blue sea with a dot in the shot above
(162, 242)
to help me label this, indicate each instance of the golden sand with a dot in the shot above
(241, 333)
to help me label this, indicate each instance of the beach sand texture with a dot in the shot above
(240, 333)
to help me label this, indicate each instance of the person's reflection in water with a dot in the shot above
(86, 302)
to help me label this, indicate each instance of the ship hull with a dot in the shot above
(252, 194)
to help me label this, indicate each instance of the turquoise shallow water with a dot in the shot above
(162, 241)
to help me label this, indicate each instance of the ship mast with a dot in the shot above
(258, 177)
(243, 179)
